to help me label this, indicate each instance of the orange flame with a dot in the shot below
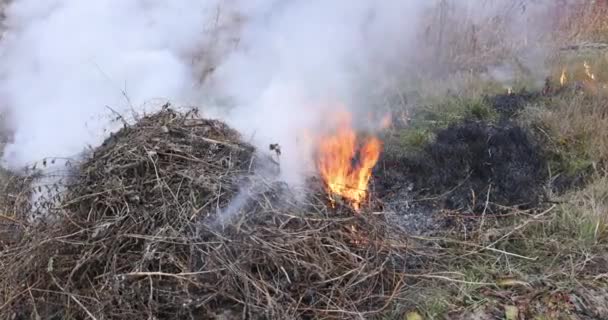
(563, 78)
(588, 70)
(345, 163)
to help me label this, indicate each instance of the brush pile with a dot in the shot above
(166, 220)
(15, 193)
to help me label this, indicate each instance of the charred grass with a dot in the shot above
(550, 258)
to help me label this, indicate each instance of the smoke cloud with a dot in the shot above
(63, 62)
(299, 61)
(272, 69)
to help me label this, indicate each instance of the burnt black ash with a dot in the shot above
(509, 104)
(471, 163)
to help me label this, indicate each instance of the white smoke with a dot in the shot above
(519, 31)
(300, 60)
(62, 62)
(281, 66)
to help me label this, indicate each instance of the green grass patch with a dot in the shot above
(434, 115)
(439, 113)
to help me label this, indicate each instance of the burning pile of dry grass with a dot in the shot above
(137, 236)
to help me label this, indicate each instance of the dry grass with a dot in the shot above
(576, 124)
(585, 21)
(585, 213)
(140, 233)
